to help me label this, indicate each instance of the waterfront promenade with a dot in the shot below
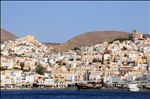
(68, 88)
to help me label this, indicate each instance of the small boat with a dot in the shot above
(133, 87)
(88, 85)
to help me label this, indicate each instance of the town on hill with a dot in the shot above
(28, 63)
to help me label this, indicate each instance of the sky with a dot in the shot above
(59, 21)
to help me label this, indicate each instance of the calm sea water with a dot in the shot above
(73, 94)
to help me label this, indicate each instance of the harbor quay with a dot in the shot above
(114, 86)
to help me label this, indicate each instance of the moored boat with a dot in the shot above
(89, 85)
(133, 87)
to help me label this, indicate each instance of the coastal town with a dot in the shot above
(28, 63)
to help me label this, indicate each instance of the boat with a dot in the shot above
(88, 85)
(133, 87)
(132, 84)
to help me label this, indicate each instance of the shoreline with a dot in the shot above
(14, 89)
(38, 89)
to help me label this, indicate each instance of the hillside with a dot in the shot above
(146, 35)
(5, 36)
(52, 44)
(84, 39)
(90, 38)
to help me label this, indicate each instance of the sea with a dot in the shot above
(73, 94)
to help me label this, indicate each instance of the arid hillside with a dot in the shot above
(91, 38)
(5, 36)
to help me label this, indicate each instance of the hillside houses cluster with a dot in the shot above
(116, 62)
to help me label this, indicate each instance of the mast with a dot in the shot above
(148, 75)
(86, 65)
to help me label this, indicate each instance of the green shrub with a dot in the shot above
(3, 69)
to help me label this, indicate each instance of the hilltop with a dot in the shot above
(6, 36)
(25, 47)
(95, 37)
(91, 38)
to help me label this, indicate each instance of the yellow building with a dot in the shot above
(136, 34)
(29, 63)
(59, 76)
(148, 57)
(139, 60)
(2, 78)
(30, 38)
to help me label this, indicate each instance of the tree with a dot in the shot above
(15, 68)
(22, 65)
(71, 59)
(96, 60)
(25, 70)
(130, 37)
(124, 48)
(110, 42)
(78, 59)
(76, 48)
(121, 39)
(40, 69)
(64, 64)
(3, 69)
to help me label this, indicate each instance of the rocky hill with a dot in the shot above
(90, 38)
(146, 35)
(5, 36)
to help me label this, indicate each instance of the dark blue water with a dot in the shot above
(73, 94)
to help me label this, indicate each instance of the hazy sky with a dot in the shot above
(60, 21)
